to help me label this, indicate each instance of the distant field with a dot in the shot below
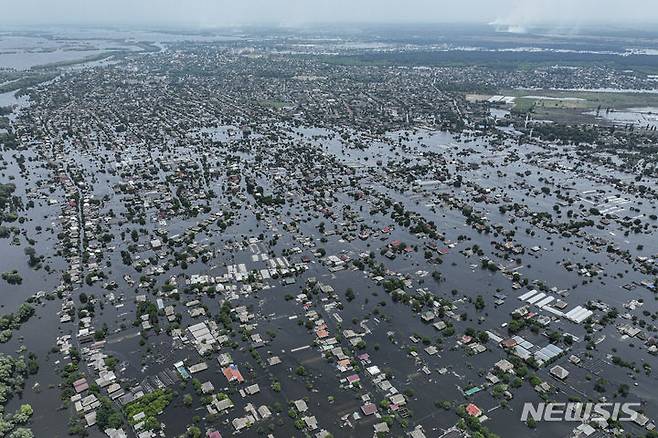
(525, 101)
(503, 60)
(477, 97)
(579, 99)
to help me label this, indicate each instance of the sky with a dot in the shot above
(220, 13)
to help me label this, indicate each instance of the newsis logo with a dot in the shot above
(581, 412)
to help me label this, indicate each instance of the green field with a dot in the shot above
(591, 100)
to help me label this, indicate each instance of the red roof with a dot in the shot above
(232, 373)
(368, 409)
(473, 410)
(214, 434)
(80, 385)
(508, 343)
(353, 378)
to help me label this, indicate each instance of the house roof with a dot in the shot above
(353, 378)
(559, 372)
(369, 409)
(473, 410)
(232, 373)
(508, 343)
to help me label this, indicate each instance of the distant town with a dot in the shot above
(378, 231)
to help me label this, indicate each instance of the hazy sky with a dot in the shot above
(211, 13)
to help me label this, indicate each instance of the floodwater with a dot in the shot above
(9, 99)
(27, 60)
(391, 327)
(327, 401)
(646, 117)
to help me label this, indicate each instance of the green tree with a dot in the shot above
(23, 415)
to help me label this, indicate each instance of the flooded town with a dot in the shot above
(404, 231)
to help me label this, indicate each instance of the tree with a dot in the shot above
(21, 432)
(479, 302)
(23, 415)
(77, 428)
(515, 325)
(443, 404)
(5, 426)
(115, 420)
(194, 432)
(554, 337)
(24, 312)
(107, 416)
(498, 390)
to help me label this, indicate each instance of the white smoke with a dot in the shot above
(526, 14)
